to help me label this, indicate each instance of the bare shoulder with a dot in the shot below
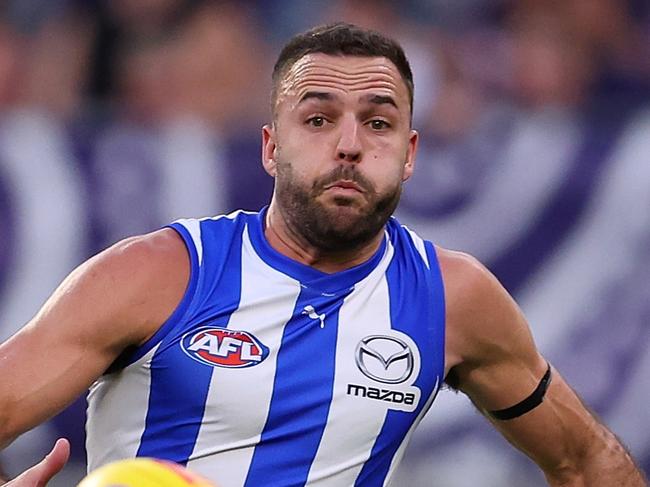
(145, 276)
(157, 260)
(162, 247)
(475, 300)
(466, 280)
(129, 289)
(485, 326)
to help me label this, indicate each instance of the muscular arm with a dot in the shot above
(118, 298)
(492, 358)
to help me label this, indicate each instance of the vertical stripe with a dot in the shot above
(437, 330)
(233, 422)
(108, 400)
(302, 392)
(193, 227)
(172, 426)
(419, 245)
(397, 458)
(416, 309)
(353, 422)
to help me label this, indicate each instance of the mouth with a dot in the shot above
(345, 186)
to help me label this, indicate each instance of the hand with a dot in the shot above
(41, 473)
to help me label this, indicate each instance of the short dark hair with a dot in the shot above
(341, 39)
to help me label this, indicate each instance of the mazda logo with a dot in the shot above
(384, 359)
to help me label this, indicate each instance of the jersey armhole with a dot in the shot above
(439, 305)
(133, 354)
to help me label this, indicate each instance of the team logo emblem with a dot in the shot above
(385, 359)
(221, 347)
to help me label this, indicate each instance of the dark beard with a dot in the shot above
(341, 228)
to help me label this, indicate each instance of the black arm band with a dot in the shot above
(528, 404)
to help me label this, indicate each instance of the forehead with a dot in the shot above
(346, 74)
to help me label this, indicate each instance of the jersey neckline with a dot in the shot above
(306, 275)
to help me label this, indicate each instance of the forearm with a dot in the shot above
(607, 464)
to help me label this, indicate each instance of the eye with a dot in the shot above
(316, 121)
(378, 124)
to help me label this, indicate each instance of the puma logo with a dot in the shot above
(311, 312)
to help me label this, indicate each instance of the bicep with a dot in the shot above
(497, 363)
(45, 366)
(499, 366)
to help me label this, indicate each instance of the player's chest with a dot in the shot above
(341, 354)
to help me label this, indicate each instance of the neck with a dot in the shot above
(289, 242)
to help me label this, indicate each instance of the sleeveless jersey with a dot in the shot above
(271, 372)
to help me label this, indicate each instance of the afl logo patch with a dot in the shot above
(221, 347)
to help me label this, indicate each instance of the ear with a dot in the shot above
(269, 149)
(411, 151)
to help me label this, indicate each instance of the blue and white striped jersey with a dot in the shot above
(273, 373)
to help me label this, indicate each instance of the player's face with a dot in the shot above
(340, 147)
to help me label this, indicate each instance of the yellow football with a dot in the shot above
(143, 472)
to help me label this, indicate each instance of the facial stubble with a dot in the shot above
(346, 224)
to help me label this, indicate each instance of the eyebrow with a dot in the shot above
(325, 96)
(381, 100)
(319, 95)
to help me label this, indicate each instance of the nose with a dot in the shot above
(348, 148)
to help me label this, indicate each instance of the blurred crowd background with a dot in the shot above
(119, 116)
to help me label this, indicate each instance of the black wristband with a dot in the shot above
(528, 404)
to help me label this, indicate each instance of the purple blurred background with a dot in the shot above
(119, 116)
